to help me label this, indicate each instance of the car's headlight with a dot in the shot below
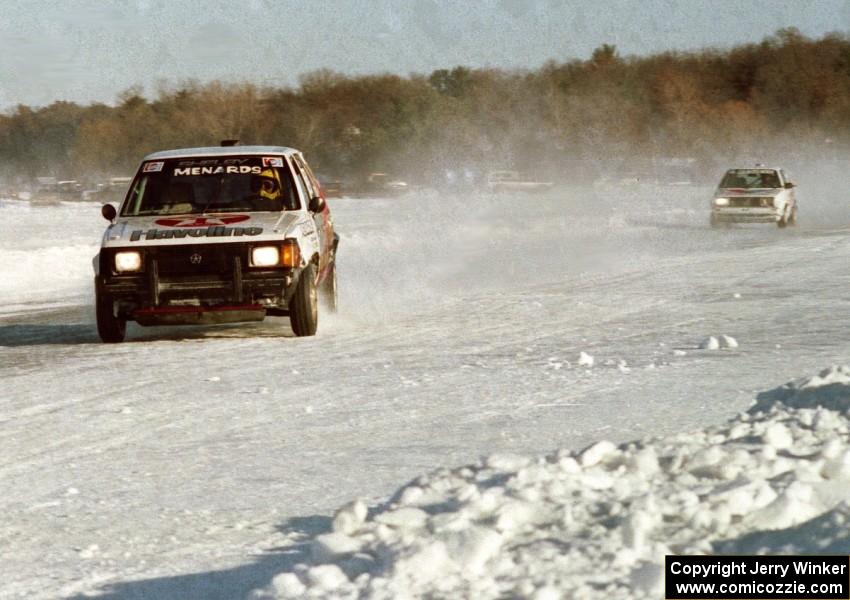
(265, 256)
(128, 262)
(721, 202)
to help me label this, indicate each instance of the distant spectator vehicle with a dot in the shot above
(46, 191)
(70, 189)
(514, 181)
(112, 190)
(385, 184)
(331, 187)
(754, 195)
(217, 235)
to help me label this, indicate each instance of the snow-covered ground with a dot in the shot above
(210, 462)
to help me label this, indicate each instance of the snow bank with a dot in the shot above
(597, 523)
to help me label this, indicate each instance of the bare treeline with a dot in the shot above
(553, 120)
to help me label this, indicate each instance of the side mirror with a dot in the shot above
(317, 204)
(789, 185)
(109, 213)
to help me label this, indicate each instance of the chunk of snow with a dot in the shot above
(597, 452)
(778, 436)
(326, 577)
(350, 517)
(585, 359)
(331, 546)
(727, 341)
(404, 518)
(710, 343)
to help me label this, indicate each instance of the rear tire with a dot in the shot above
(303, 307)
(110, 328)
(330, 292)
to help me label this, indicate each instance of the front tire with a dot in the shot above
(303, 307)
(792, 219)
(110, 328)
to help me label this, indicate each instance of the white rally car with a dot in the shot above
(754, 195)
(217, 235)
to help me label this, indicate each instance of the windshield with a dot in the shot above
(750, 178)
(211, 185)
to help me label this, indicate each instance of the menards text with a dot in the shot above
(216, 170)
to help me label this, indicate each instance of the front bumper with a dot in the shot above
(168, 291)
(751, 215)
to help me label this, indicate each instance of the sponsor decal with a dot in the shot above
(272, 161)
(212, 162)
(195, 232)
(218, 170)
(153, 167)
(202, 221)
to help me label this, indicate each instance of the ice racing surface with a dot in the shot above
(205, 462)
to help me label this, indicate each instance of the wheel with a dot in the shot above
(110, 328)
(330, 293)
(792, 219)
(782, 223)
(712, 220)
(303, 307)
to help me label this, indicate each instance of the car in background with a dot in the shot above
(332, 188)
(384, 184)
(754, 195)
(514, 181)
(112, 190)
(217, 235)
(70, 189)
(46, 191)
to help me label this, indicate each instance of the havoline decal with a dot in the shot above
(195, 232)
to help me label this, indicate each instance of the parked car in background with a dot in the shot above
(384, 184)
(217, 235)
(332, 188)
(70, 189)
(112, 190)
(46, 191)
(514, 181)
(754, 195)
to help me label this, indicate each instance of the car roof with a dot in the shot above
(221, 151)
(756, 168)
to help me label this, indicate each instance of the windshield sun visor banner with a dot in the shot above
(220, 184)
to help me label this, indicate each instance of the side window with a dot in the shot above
(308, 185)
(308, 173)
(299, 183)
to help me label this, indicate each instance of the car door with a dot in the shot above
(322, 219)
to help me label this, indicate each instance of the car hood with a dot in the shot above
(167, 230)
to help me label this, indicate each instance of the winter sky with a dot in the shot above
(91, 50)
